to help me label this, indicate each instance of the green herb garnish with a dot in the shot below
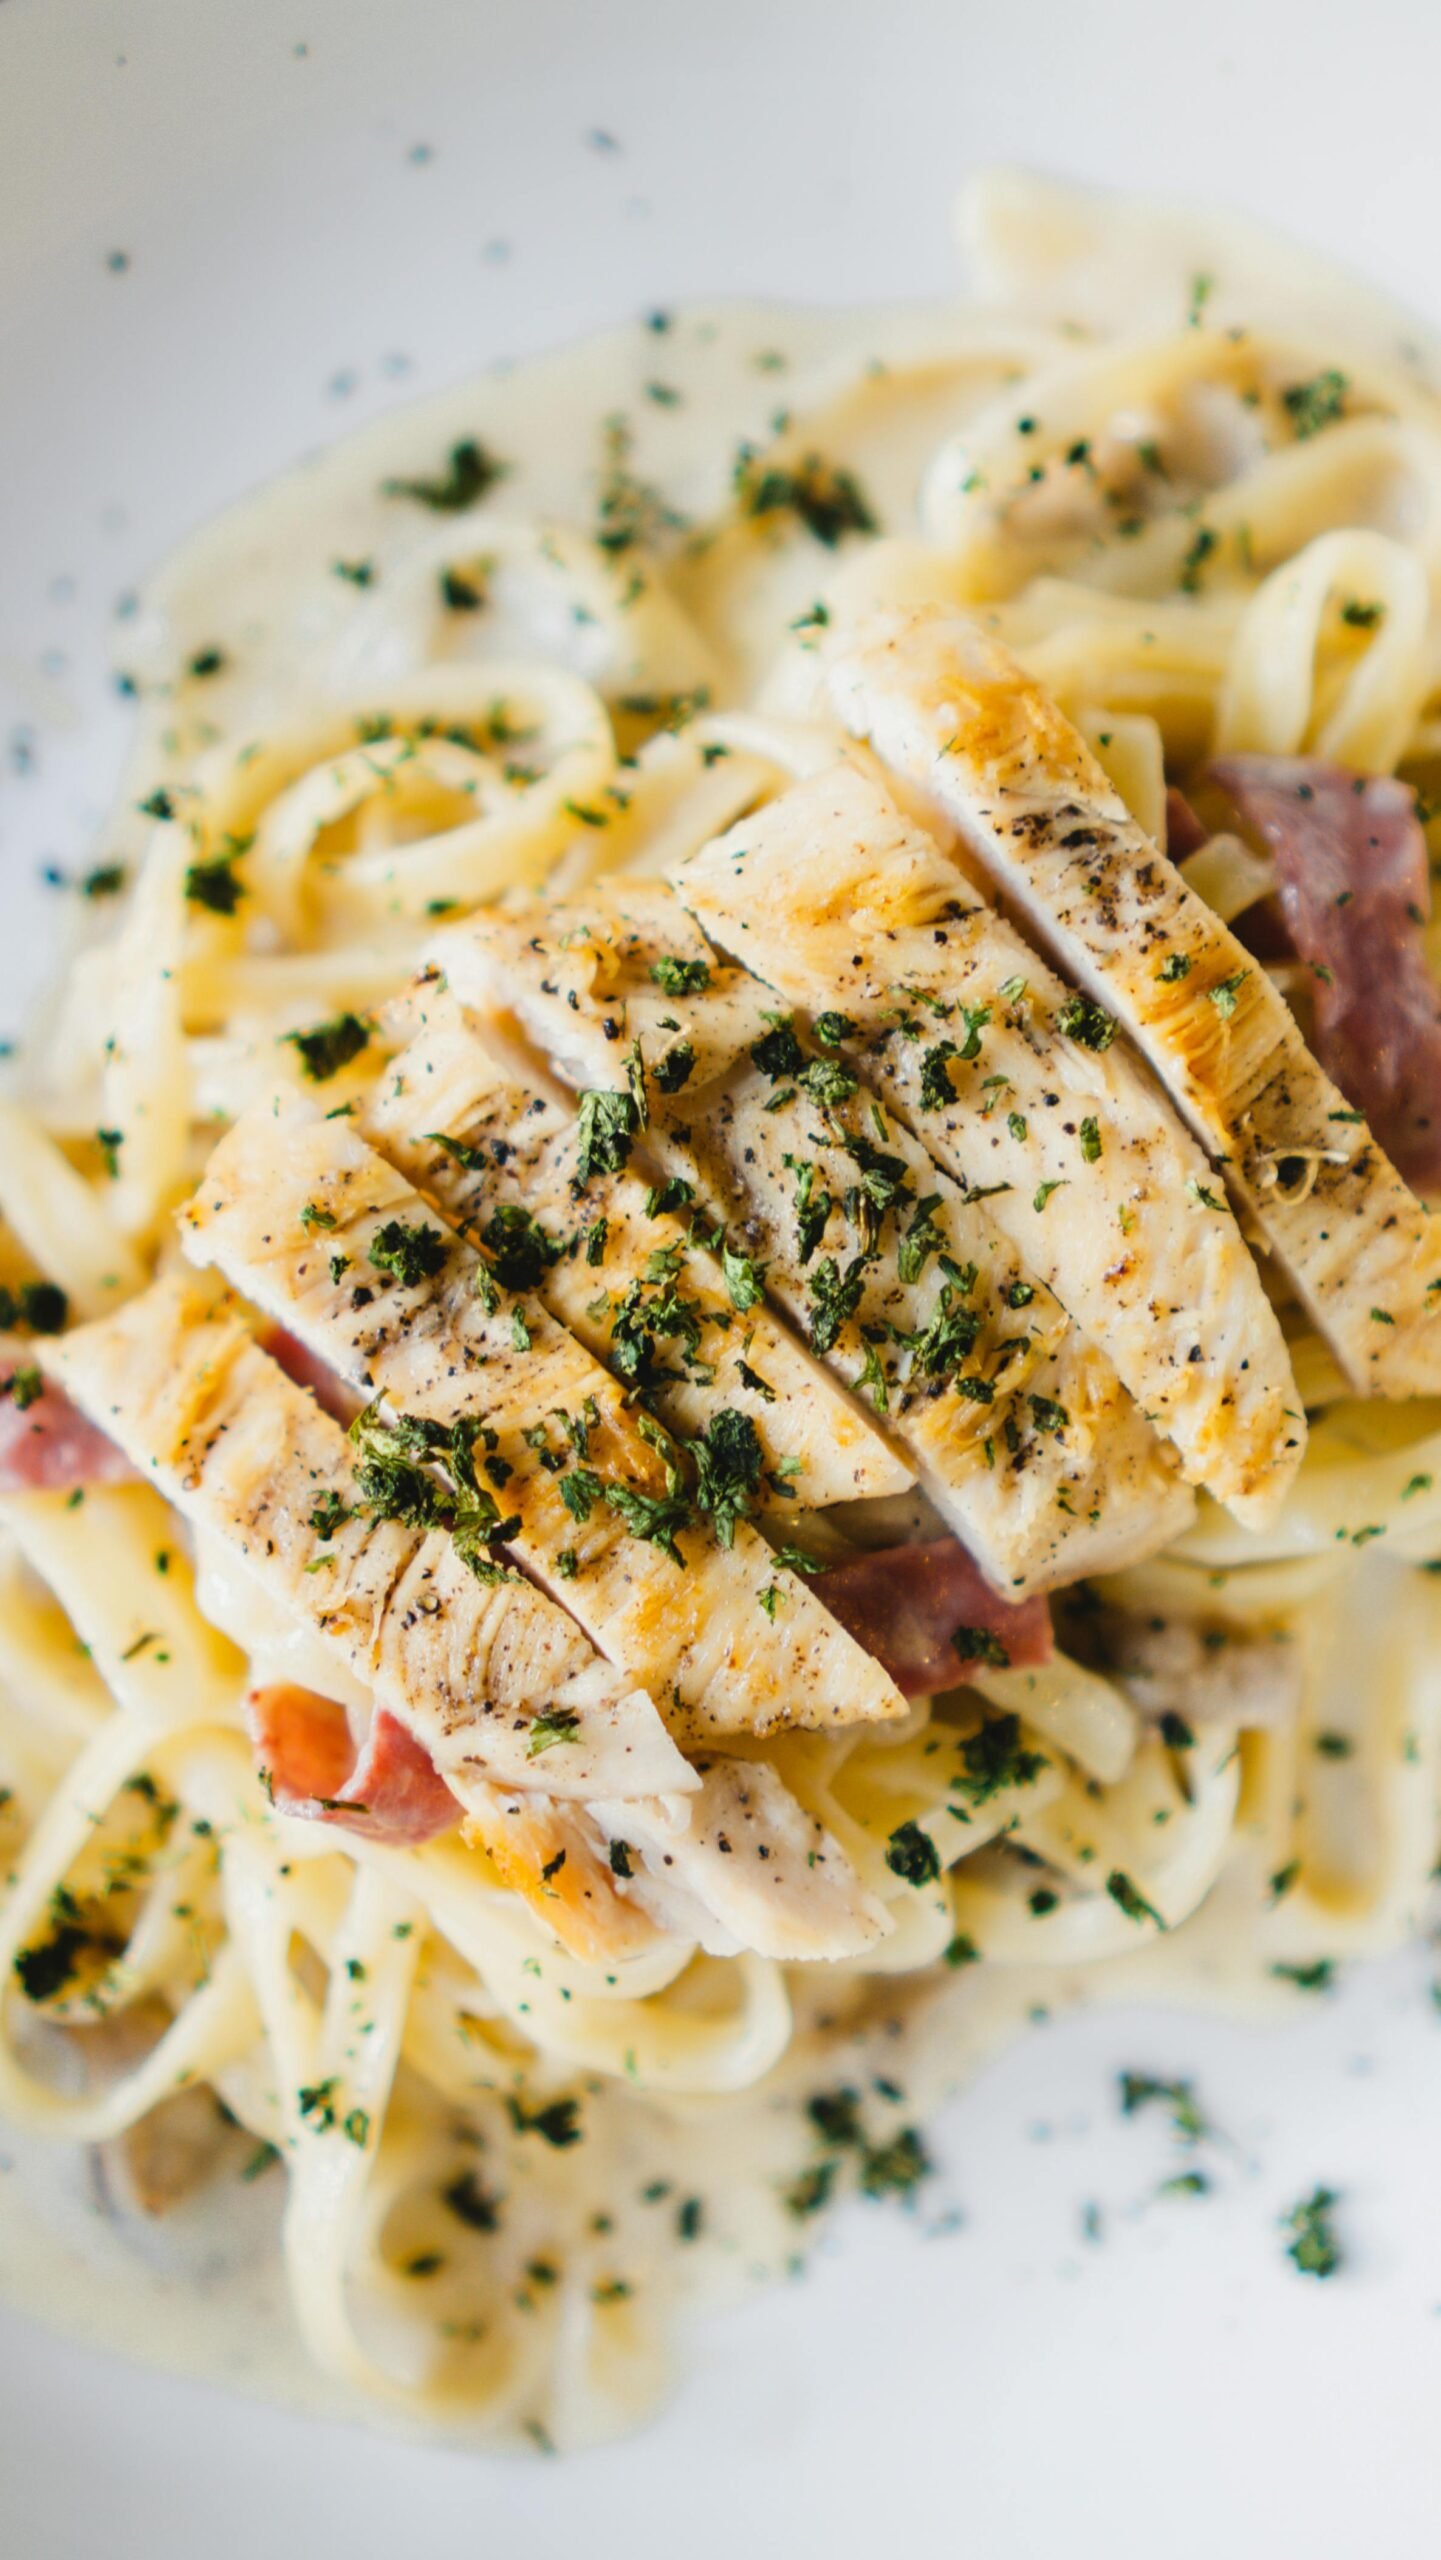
(912, 1855)
(409, 1254)
(826, 499)
(1312, 405)
(606, 1126)
(214, 885)
(1313, 2248)
(470, 472)
(1083, 1020)
(677, 977)
(329, 1046)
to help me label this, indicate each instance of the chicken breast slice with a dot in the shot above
(490, 1144)
(550, 1853)
(1018, 1088)
(323, 1234)
(498, 1683)
(751, 1859)
(1043, 1463)
(947, 708)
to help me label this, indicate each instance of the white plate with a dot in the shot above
(311, 195)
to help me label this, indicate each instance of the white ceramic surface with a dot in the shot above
(324, 206)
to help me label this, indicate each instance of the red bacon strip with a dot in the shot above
(392, 1791)
(46, 1445)
(1354, 887)
(926, 1610)
(1185, 833)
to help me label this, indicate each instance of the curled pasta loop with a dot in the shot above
(1164, 660)
(1107, 458)
(1275, 700)
(434, 795)
(214, 2018)
(641, 2026)
(1005, 487)
(1088, 1842)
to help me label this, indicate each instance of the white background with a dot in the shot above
(311, 236)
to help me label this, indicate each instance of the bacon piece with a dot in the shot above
(1185, 833)
(48, 1446)
(304, 1368)
(925, 1610)
(392, 1791)
(1353, 882)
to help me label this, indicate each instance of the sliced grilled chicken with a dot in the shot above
(1023, 1435)
(496, 1681)
(1025, 1439)
(502, 1689)
(676, 1587)
(947, 708)
(549, 1852)
(1017, 1087)
(746, 1855)
(497, 1154)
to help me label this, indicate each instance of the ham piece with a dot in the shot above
(926, 1611)
(1353, 883)
(392, 1791)
(46, 1444)
(1185, 833)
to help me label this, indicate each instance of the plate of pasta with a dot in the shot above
(720, 1324)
